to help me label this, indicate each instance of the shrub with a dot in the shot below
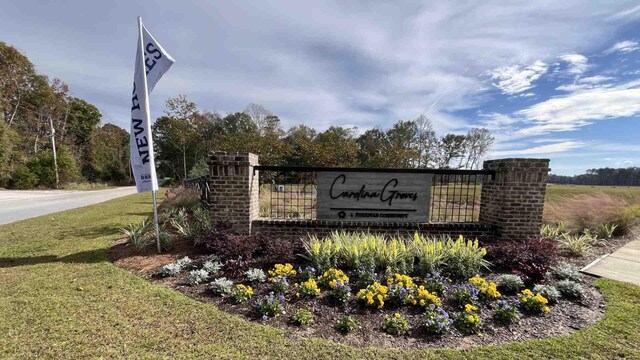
(302, 317)
(507, 312)
(509, 283)
(321, 253)
(306, 273)
(282, 270)
(346, 324)
(137, 234)
(179, 220)
(234, 267)
(307, 289)
(430, 254)
(256, 275)
(435, 283)
(241, 293)
(274, 249)
(366, 276)
(197, 277)
(553, 231)
(330, 277)
(172, 269)
(436, 320)
(577, 245)
(211, 267)
(548, 291)
(536, 304)
(465, 294)
(606, 231)
(221, 286)
(270, 305)
(488, 290)
(566, 271)
(341, 292)
(279, 284)
(229, 245)
(468, 321)
(167, 242)
(530, 258)
(422, 297)
(464, 258)
(184, 262)
(395, 325)
(23, 178)
(373, 295)
(570, 289)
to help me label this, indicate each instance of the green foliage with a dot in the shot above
(577, 245)
(302, 317)
(256, 275)
(167, 242)
(197, 277)
(24, 178)
(468, 321)
(606, 231)
(137, 235)
(211, 267)
(346, 324)
(436, 320)
(40, 170)
(241, 293)
(172, 269)
(200, 168)
(396, 324)
(507, 312)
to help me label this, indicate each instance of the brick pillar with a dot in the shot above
(513, 200)
(234, 189)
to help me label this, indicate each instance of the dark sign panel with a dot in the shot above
(374, 196)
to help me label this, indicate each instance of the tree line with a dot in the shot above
(185, 135)
(604, 176)
(35, 109)
(36, 112)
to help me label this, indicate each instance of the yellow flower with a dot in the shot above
(470, 308)
(546, 309)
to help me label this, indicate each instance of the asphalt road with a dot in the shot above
(23, 204)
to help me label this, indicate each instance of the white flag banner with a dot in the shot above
(152, 61)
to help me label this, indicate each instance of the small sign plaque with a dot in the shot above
(374, 196)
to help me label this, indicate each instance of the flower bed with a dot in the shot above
(386, 308)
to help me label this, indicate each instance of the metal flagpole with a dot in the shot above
(146, 92)
(155, 219)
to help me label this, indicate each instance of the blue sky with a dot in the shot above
(556, 79)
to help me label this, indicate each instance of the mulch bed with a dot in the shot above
(565, 317)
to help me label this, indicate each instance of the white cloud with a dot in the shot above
(594, 79)
(515, 79)
(567, 113)
(626, 46)
(577, 63)
(542, 149)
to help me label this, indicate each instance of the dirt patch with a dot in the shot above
(565, 317)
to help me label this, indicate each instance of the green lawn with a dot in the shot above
(556, 193)
(61, 298)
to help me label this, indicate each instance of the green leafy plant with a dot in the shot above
(509, 283)
(302, 317)
(436, 320)
(548, 291)
(606, 231)
(321, 253)
(507, 312)
(184, 262)
(241, 293)
(435, 283)
(570, 289)
(137, 234)
(468, 321)
(536, 304)
(279, 284)
(307, 289)
(341, 292)
(396, 324)
(465, 294)
(553, 231)
(221, 286)
(270, 305)
(167, 242)
(346, 324)
(577, 245)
